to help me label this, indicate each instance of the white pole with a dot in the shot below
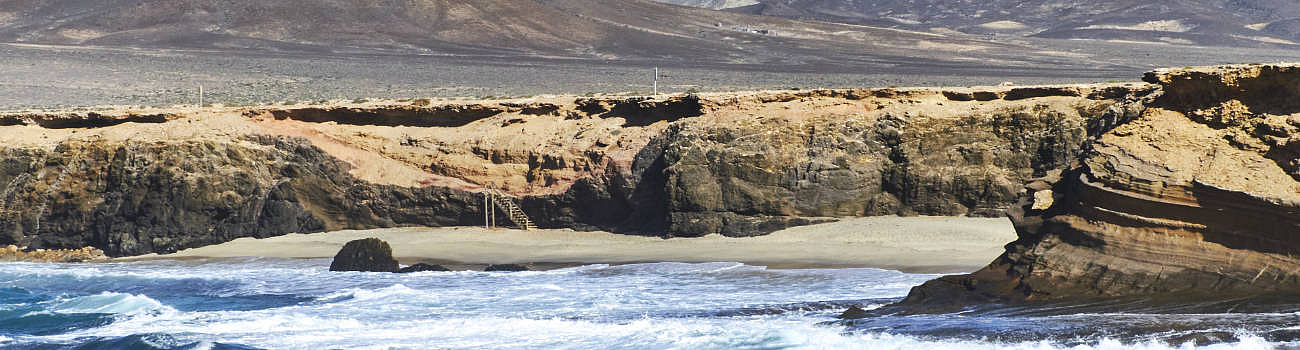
(656, 81)
(200, 95)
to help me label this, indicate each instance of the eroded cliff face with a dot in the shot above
(136, 197)
(133, 181)
(1198, 198)
(753, 166)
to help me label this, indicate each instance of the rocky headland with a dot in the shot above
(1196, 199)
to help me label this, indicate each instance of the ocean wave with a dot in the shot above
(365, 294)
(110, 303)
(219, 278)
(652, 305)
(339, 328)
(672, 268)
(153, 342)
(825, 308)
(99, 278)
(16, 297)
(43, 323)
(562, 271)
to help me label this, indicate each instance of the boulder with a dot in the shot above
(422, 267)
(369, 254)
(506, 268)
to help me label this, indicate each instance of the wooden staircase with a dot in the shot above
(495, 198)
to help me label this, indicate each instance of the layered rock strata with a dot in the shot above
(1198, 199)
(732, 164)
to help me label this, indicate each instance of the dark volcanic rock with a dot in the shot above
(368, 255)
(134, 198)
(506, 268)
(422, 267)
(141, 197)
(854, 312)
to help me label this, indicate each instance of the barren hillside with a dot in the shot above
(632, 29)
(628, 30)
(1251, 23)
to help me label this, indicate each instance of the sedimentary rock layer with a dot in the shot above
(1198, 198)
(733, 164)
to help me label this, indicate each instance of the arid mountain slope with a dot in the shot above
(632, 30)
(552, 27)
(711, 4)
(444, 25)
(1194, 22)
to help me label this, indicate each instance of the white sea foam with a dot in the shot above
(390, 292)
(109, 303)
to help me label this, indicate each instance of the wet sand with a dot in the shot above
(909, 244)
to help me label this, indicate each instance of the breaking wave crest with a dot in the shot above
(110, 303)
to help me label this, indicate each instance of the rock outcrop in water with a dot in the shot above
(731, 164)
(366, 255)
(1198, 199)
(423, 267)
(506, 268)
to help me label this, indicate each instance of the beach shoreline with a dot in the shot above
(908, 244)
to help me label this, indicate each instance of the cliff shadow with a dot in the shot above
(643, 111)
(1240, 220)
(629, 201)
(441, 116)
(1272, 91)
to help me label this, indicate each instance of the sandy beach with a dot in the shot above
(909, 244)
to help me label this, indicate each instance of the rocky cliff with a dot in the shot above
(133, 181)
(755, 167)
(1198, 198)
(134, 197)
